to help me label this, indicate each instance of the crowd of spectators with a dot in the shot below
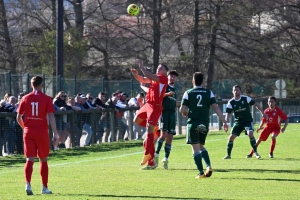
(11, 135)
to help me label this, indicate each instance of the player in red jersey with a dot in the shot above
(275, 115)
(149, 114)
(35, 107)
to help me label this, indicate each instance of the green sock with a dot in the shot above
(253, 144)
(229, 147)
(205, 156)
(198, 162)
(159, 145)
(167, 150)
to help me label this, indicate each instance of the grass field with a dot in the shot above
(111, 171)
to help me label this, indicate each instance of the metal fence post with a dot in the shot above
(9, 81)
(179, 120)
(28, 83)
(72, 129)
(130, 134)
(113, 126)
(75, 89)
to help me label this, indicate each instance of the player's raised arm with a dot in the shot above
(146, 73)
(139, 78)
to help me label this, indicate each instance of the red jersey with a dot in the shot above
(274, 117)
(157, 90)
(35, 106)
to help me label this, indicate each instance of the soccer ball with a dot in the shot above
(133, 10)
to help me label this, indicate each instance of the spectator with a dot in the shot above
(6, 97)
(3, 124)
(103, 123)
(10, 130)
(87, 127)
(77, 130)
(111, 103)
(137, 101)
(61, 120)
(122, 127)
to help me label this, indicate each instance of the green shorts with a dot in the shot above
(239, 127)
(168, 121)
(195, 136)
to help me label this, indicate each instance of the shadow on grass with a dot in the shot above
(64, 154)
(131, 196)
(264, 179)
(260, 171)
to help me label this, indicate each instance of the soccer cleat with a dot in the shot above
(271, 155)
(28, 189)
(148, 167)
(200, 176)
(249, 156)
(165, 162)
(145, 159)
(257, 155)
(227, 157)
(45, 190)
(208, 171)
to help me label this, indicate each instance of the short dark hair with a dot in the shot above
(101, 93)
(165, 66)
(237, 86)
(172, 72)
(272, 97)
(36, 81)
(198, 78)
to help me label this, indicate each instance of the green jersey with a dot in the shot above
(169, 102)
(198, 100)
(241, 109)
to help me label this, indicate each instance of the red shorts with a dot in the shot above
(150, 113)
(267, 131)
(36, 144)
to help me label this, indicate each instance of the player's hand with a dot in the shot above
(225, 127)
(282, 130)
(134, 72)
(171, 93)
(260, 128)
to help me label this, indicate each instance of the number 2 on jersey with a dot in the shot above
(35, 108)
(199, 96)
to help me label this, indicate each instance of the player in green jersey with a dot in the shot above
(195, 105)
(240, 106)
(168, 119)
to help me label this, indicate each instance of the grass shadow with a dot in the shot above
(259, 170)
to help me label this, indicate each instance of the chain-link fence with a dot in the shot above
(16, 83)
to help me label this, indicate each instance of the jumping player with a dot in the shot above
(275, 115)
(35, 107)
(148, 114)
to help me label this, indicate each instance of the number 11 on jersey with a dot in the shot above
(35, 108)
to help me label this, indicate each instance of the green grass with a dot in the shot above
(111, 171)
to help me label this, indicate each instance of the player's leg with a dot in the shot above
(153, 114)
(250, 129)
(193, 139)
(273, 142)
(204, 153)
(30, 150)
(141, 116)
(42, 142)
(163, 125)
(235, 131)
(263, 136)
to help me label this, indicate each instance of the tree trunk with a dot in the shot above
(212, 50)
(196, 32)
(53, 4)
(156, 32)
(10, 58)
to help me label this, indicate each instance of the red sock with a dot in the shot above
(148, 144)
(44, 170)
(28, 168)
(273, 143)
